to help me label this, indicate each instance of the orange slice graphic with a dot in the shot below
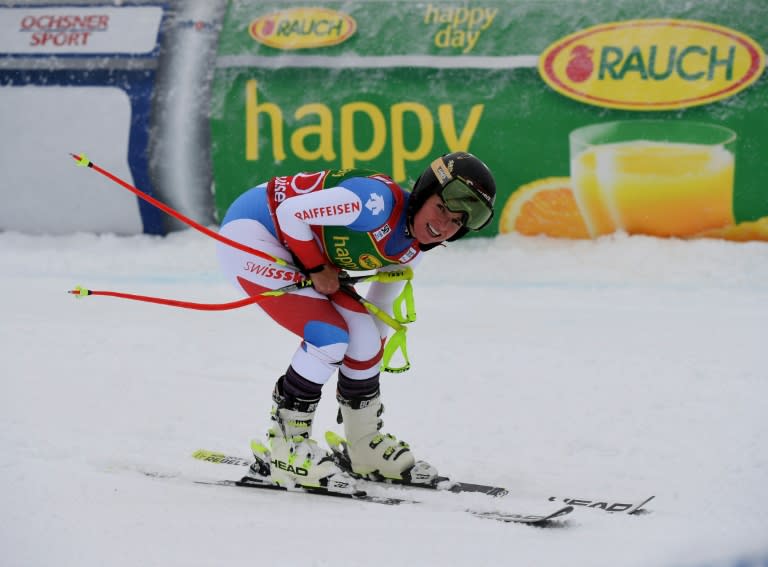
(742, 232)
(545, 206)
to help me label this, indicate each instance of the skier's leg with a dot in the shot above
(371, 454)
(291, 456)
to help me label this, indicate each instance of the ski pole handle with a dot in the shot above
(389, 276)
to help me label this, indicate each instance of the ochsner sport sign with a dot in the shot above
(652, 64)
(79, 29)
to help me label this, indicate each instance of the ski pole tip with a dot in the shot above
(82, 160)
(79, 292)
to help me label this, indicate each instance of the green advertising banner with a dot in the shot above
(646, 117)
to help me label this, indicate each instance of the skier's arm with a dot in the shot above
(334, 206)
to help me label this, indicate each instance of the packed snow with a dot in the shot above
(603, 370)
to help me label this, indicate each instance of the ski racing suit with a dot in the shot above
(352, 219)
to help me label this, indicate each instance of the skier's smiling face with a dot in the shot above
(434, 223)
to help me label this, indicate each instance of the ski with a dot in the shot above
(613, 506)
(362, 496)
(517, 518)
(444, 484)
(220, 458)
(550, 519)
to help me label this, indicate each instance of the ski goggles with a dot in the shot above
(460, 196)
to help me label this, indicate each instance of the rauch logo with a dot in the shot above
(652, 64)
(302, 28)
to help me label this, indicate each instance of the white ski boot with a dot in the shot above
(372, 455)
(291, 459)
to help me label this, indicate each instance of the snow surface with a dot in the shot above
(611, 369)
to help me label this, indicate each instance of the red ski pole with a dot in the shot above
(83, 161)
(390, 276)
(80, 291)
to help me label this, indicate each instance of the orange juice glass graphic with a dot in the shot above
(656, 177)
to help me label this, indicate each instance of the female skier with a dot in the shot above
(319, 224)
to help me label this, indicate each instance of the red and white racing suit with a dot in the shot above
(352, 219)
